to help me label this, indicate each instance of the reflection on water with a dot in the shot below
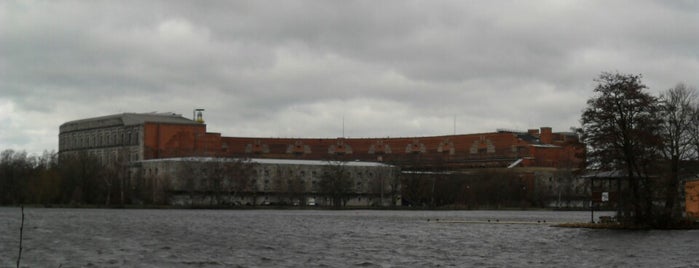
(316, 238)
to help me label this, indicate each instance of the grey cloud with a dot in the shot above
(390, 67)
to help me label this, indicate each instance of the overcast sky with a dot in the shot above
(297, 68)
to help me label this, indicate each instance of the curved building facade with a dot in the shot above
(166, 135)
(153, 143)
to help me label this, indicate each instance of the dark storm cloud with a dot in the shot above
(296, 68)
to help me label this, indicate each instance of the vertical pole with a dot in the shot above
(21, 228)
(592, 202)
(381, 191)
(619, 200)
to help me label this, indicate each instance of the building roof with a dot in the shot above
(613, 174)
(273, 161)
(316, 162)
(125, 119)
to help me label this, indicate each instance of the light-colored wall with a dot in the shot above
(105, 143)
(269, 183)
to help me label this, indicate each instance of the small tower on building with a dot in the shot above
(198, 116)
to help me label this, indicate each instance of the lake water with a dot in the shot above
(320, 238)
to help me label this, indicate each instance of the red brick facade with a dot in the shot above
(496, 149)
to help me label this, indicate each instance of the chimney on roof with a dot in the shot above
(546, 135)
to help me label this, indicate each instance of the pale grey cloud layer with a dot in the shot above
(296, 68)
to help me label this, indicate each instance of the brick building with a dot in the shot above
(167, 135)
(538, 153)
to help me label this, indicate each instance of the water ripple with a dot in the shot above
(310, 238)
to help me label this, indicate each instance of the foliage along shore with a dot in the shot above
(289, 207)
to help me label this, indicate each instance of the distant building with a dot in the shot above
(167, 135)
(195, 180)
(147, 139)
(128, 133)
(691, 191)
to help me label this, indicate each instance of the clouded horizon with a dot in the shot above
(297, 68)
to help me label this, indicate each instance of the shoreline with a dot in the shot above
(688, 225)
(273, 207)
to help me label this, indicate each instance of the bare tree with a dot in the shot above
(187, 180)
(295, 189)
(116, 176)
(15, 169)
(385, 184)
(237, 177)
(336, 183)
(694, 130)
(677, 112)
(81, 173)
(621, 127)
(416, 188)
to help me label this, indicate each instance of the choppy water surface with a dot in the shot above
(316, 238)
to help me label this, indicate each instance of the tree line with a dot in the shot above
(78, 179)
(86, 179)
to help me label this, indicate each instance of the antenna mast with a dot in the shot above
(454, 125)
